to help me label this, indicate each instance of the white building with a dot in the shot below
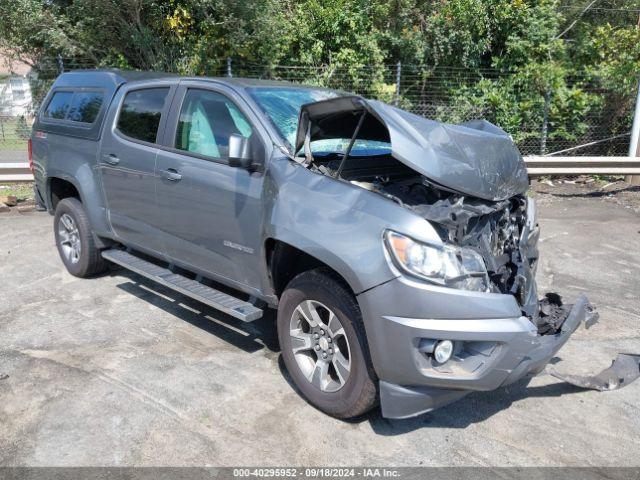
(15, 89)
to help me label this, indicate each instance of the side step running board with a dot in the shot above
(228, 304)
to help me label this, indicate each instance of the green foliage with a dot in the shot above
(517, 103)
(615, 57)
(502, 57)
(32, 28)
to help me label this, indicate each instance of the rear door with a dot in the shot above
(128, 159)
(216, 209)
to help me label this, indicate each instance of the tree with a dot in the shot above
(23, 130)
(520, 63)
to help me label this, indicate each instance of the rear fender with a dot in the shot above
(83, 178)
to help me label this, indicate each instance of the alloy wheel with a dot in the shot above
(320, 346)
(69, 238)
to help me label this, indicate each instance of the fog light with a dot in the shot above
(443, 351)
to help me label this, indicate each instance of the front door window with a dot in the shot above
(207, 120)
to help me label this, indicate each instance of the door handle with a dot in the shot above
(171, 175)
(111, 159)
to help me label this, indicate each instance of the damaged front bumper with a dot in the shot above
(495, 344)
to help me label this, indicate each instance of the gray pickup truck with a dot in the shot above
(400, 252)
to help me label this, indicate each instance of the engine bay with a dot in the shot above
(493, 229)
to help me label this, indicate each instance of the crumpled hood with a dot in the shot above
(475, 158)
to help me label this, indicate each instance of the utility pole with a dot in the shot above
(545, 122)
(634, 144)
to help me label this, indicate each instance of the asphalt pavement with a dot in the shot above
(119, 371)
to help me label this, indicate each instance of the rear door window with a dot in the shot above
(140, 113)
(59, 105)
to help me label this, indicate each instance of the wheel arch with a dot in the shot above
(60, 187)
(285, 261)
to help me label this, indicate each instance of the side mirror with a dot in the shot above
(239, 154)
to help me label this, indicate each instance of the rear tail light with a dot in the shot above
(30, 154)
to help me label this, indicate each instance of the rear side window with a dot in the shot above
(140, 113)
(84, 107)
(59, 105)
(74, 106)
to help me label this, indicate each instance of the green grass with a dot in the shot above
(9, 137)
(23, 191)
(13, 145)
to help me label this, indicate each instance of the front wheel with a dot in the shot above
(324, 345)
(74, 240)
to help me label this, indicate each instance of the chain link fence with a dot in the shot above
(579, 116)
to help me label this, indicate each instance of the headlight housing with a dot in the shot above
(446, 265)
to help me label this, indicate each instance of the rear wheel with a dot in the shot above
(324, 345)
(74, 240)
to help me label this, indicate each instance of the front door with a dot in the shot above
(213, 210)
(127, 163)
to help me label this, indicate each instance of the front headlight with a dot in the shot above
(445, 265)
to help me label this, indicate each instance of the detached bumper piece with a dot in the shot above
(623, 370)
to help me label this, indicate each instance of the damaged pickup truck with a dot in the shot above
(400, 252)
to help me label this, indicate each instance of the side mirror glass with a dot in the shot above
(239, 151)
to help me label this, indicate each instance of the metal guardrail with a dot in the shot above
(15, 172)
(536, 166)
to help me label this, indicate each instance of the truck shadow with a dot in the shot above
(474, 408)
(249, 337)
(261, 334)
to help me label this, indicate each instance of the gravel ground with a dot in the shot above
(118, 371)
(609, 190)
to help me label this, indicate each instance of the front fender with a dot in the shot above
(338, 223)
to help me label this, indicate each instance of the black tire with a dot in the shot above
(359, 392)
(89, 262)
